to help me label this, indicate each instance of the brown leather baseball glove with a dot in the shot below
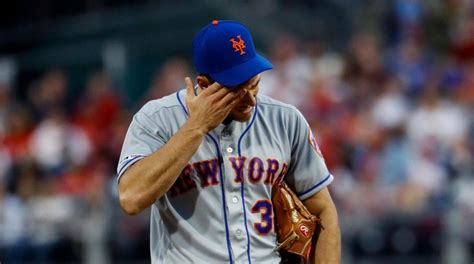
(295, 225)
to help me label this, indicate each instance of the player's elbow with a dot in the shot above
(134, 196)
(129, 195)
(128, 204)
(129, 201)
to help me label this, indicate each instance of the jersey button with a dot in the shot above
(225, 133)
(235, 199)
(238, 232)
(229, 149)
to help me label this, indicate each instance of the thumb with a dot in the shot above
(189, 87)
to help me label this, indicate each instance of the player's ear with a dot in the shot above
(203, 81)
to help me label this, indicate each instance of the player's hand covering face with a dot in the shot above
(242, 107)
(211, 105)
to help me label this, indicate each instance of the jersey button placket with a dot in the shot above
(233, 195)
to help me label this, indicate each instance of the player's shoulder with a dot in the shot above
(266, 102)
(168, 102)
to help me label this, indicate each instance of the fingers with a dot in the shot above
(233, 97)
(189, 87)
(220, 93)
(216, 91)
(213, 88)
(222, 97)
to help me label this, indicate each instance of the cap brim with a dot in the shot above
(243, 72)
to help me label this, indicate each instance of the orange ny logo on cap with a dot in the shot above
(238, 46)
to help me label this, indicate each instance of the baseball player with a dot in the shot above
(205, 159)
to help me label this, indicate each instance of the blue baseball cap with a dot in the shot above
(224, 50)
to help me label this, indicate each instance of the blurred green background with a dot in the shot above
(387, 86)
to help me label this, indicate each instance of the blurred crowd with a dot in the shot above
(393, 114)
(58, 155)
(394, 117)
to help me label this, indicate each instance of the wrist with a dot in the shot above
(195, 127)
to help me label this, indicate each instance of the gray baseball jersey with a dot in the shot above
(219, 210)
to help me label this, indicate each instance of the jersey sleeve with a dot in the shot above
(143, 138)
(307, 173)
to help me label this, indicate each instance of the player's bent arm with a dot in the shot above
(328, 247)
(149, 178)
